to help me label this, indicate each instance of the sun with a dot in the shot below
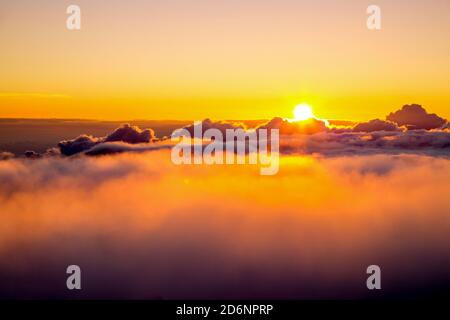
(303, 112)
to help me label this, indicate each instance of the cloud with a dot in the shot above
(77, 145)
(23, 175)
(140, 227)
(32, 155)
(119, 147)
(309, 126)
(376, 125)
(222, 126)
(360, 143)
(299, 137)
(363, 139)
(286, 127)
(131, 134)
(414, 116)
(6, 155)
(126, 133)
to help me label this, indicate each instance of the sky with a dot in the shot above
(234, 59)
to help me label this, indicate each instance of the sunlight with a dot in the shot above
(303, 112)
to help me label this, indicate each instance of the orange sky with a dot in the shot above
(222, 59)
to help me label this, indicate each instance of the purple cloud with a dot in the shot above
(376, 125)
(414, 116)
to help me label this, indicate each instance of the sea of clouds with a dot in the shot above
(141, 227)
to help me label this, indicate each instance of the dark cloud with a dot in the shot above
(52, 152)
(309, 126)
(32, 155)
(77, 145)
(414, 116)
(126, 133)
(376, 125)
(131, 134)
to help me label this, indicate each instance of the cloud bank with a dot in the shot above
(345, 197)
(140, 227)
(410, 129)
(360, 143)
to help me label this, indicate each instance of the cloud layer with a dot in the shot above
(409, 129)
(360, 143)
(141, 227)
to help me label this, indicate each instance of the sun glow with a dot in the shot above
(303, 112)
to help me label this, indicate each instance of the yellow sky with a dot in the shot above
(232, 59)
